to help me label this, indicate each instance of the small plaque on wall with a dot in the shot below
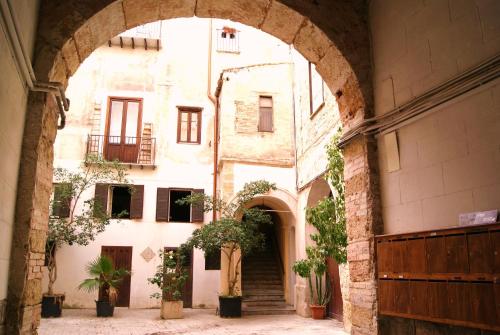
(477, 218)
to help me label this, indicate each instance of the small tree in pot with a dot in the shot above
(74, 220)
(170, 277)
(104, 278)
(236, 234)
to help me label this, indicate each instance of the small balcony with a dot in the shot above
(133, 151)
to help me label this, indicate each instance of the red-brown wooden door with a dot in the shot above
(122, 258)
(335, 307)
(123, 128)
(187, 293)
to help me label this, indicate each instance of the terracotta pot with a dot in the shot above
(317, 312)
(171, 309)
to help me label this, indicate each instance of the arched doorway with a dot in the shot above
(69, 32)
(263, 272)
(335, 309)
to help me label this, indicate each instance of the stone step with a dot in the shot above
(286, 310)
(263, 280)
(262, 286)
(264, 303)
(255, 291)
(268, 297)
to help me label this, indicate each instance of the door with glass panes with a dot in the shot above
(123, 129)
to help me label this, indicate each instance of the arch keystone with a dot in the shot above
(286, 30)
(312, 42)
(251, 13)
(138, 12)
(176, 8)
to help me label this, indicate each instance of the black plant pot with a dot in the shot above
(230, 307)
(104, 308)
(52, 305)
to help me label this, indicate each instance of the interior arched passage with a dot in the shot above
(331, 34)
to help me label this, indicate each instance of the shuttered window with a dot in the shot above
(137, 202)
(101, 198)
(126, 202)
(162, 201)
(62, 200)
(265, 113)
(166, 207)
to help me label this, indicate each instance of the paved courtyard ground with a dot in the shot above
(196, 321)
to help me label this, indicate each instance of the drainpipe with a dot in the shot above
(23, 62)
(215, 102)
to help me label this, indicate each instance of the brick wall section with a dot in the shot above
(363, 222)
(31, 218)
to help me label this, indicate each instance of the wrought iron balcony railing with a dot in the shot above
(125, 149)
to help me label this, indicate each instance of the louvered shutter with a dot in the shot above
(197, 214)
(265, 114)
(162, 203)
(137, 202)
(101, 197)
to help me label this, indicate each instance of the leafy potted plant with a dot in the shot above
(328, 217)
(74, 220)
(236, 234)
(106, 278)
(170, 277)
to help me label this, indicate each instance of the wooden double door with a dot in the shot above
(122, 258)
(123, 129)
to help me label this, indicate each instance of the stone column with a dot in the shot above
(363, 222)
(31, 216)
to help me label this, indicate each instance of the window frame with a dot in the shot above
(190, 111)
(312, 110)
(261, 96)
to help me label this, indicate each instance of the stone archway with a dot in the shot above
(331, 34)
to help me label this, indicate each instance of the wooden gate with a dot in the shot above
(335, 306)
(122, 258)
(187, 294)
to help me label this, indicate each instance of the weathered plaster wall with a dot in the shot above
(13, 98)
(240, 139)
(449, 159)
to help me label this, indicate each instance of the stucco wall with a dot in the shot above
(13, 97)
(240, 139)
(449, 159)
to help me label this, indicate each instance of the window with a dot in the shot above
(168, 210)
(265, 113)
(228, 40)
(61, 203)
(189, 125)
(125, 202)
(120, 202)
(316, 90)
(212, 260)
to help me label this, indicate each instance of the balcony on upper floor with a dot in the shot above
(147, 36)
(132, 151)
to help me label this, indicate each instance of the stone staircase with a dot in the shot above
(263, 290)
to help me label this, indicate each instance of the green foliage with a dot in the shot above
(328, 217)
(236, 233)
(86, 218)
(103, 275)
(170, 275)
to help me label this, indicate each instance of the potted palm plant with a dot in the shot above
(170, 277)
(104, 278)
(236, 234)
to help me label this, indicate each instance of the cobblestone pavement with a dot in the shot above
(196, 321)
